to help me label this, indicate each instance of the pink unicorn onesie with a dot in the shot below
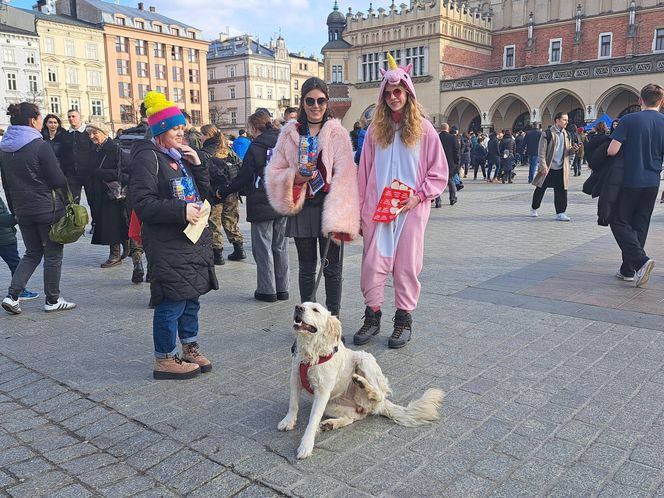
(413, 156)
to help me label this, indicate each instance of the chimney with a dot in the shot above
(152, 9)
(72, 9)
(140, 5)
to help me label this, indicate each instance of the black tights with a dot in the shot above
(308, 261)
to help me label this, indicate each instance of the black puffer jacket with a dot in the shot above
(606, 179)
(253, 167)
(179, 269)
(29, 176)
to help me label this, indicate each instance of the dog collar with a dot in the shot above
(304, 369)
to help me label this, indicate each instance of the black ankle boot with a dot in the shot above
(137, 274)
(219, 257)
(238, 252)
(402, 330)
(370, 328)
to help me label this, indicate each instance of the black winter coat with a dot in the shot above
(253, 168)
(606, 179)
(78, 154)
(179, 269)
(29, 176)
(56, 142)
(452, 151)
(507, 144)
(532, 142)
(493, 154)
(110, 217)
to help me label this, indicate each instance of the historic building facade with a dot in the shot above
(20, 65)
(501, 63)
(145, 51)
(303, 68)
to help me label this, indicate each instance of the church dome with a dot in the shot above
(335, 16)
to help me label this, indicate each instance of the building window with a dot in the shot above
(211, 74)
(193, 76)
(158, 28)
(96, 107)
(143, 91)
(124, 89)
(415, 56)
(32, 83)
(259, 92)
(176, 53)
(177, 74)
(230, 70)
(123, 67)
(75, 104)
(9, 55)
(91, 51)
(49, 45)
(142, 69)
(509, 56)
(70, 48)
(12, 85)
(195, 117)
(604, 45)
(159, 50)
(658, 41)
(162, 89)
(126, 113)
(72, 76)
(370, 67)
(397, 57)
(337, 75)
(30, 58)
(175, 31)
(194, 96)
(231, 92)
(192, 55)
(555, 51)
(94, 79)
(140, 47)
(120, 21)
(52, 74)
(54, 105)
(210, 94)
(177, 94)
(139, 24)
(160, 71)
(296, 84)
(191, 34)
(120, 44)
(269, 93)
(233, 117)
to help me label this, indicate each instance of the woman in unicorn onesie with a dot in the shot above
(399, 145)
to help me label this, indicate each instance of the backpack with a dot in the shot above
(257, 183)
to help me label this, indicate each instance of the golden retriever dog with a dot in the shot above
(346, 385)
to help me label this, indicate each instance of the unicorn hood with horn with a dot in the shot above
(396, 75)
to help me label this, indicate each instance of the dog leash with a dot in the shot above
(323, 261)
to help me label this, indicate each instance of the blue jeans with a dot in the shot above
(9, 253)
(172, 319)
(532, 170)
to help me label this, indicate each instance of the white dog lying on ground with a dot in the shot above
(346, 385)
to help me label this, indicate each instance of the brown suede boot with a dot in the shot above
(191, 353)
(114, 257)
(174, 368)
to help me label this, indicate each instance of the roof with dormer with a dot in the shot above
(111, 9)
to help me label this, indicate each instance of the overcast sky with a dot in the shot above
(302, 22)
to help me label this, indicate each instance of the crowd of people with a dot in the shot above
(168, 191)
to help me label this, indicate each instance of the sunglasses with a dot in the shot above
(396, 93)
(310, 101)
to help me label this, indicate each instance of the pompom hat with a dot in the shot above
(162, 114)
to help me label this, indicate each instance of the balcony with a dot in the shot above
(603, 68)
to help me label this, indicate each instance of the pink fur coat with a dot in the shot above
(341, 210)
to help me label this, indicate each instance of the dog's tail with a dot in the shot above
(418, 412)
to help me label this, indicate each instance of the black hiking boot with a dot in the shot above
(370, 328)
(402, 330)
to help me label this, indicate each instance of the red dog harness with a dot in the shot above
(304, 370)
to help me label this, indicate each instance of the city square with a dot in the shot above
(552, 370)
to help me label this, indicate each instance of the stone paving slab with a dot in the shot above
(546, 395)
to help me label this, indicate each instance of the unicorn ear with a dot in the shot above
(382, 71)
(408, 68)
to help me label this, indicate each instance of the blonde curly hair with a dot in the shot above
(411, 123)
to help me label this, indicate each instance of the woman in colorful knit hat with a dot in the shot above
(168, 185)
(399, 145)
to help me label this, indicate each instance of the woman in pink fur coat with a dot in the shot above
(312, 178)
(399, 145)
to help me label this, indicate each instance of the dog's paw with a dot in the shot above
(287, 424)
(327, 425)
(359, 381)
(305, 450)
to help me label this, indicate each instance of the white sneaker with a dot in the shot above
(533, 213)
(562, 217)
(12, 307)
(624, 277)
(641, 276)
(61, 305)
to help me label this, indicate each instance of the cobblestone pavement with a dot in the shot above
(554, 373)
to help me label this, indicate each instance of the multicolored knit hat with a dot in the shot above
(162, 114)
(396, 75)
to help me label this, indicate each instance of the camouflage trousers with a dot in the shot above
(135, 251)
(225, 215)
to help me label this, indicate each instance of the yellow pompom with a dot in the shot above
(155, 102)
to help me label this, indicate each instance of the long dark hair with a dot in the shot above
(45, 132)
(21, 114)
(312, 83)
